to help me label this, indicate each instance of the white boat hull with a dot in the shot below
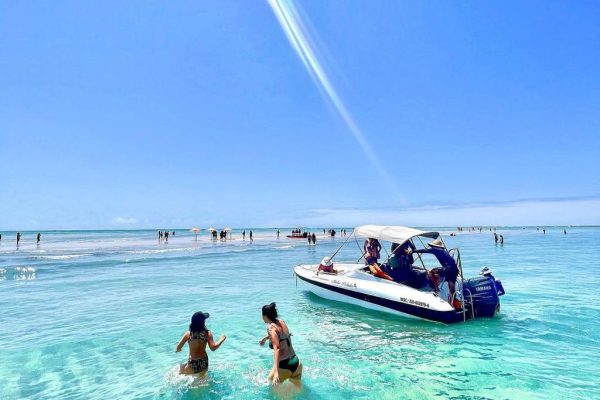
(353, 286)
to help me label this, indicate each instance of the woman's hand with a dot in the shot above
(263, 341)
(275, 381)
(177, 350)
(222, 338)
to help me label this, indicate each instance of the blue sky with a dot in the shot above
(148, 114)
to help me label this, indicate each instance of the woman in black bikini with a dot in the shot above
(286, 364)
(197, 338)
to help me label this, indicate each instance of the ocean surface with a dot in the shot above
(97, 315)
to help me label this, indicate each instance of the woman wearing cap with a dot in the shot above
(197, 338)
(286, 364)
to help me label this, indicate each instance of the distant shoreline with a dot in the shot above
(284, 230)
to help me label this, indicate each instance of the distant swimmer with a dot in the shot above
(314, 238)
(244, 235)
(495, 237)
(38, 238)
(166, 237)
(565, 231)
(18, 238)
(286, 364)
(277, 233)
(309, 239)
(501, 240)
(251, 236)
(197, 338)
(544, 230)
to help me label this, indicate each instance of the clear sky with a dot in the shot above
(177, 114)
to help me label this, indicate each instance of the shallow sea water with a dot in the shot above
(97, 315)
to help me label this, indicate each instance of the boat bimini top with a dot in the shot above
(394, 234)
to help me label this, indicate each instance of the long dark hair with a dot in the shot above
(198, 322)
(270, 311)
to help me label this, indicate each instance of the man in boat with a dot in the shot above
(449, 270)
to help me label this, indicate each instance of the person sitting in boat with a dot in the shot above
(400, 264)
(197, 338)
(326, 266)
(372, 249)
(449, 270)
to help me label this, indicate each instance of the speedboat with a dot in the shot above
(422, 294)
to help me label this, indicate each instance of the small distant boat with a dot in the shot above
(298, 233)
(354, 283)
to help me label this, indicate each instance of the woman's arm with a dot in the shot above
(263, 340)
(275, 341)
(183, 341)
(211, 342)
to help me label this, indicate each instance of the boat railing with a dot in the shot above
(455, 253)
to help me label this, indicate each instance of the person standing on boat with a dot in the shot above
(286, 364)
(197, 338)
(449, 270)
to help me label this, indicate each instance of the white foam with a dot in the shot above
(63, 256)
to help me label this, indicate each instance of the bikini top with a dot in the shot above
(285, 343)
(199, 335)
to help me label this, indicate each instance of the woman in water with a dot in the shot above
(286, 364)
(197, 338)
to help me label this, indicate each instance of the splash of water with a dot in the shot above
(299, 38)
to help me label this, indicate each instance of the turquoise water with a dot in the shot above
(97, 315)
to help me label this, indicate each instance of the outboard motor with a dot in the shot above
(485, 292)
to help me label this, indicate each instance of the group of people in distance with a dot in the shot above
(399, 267)
(286, 364)
(164, 236)
(38, 238)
